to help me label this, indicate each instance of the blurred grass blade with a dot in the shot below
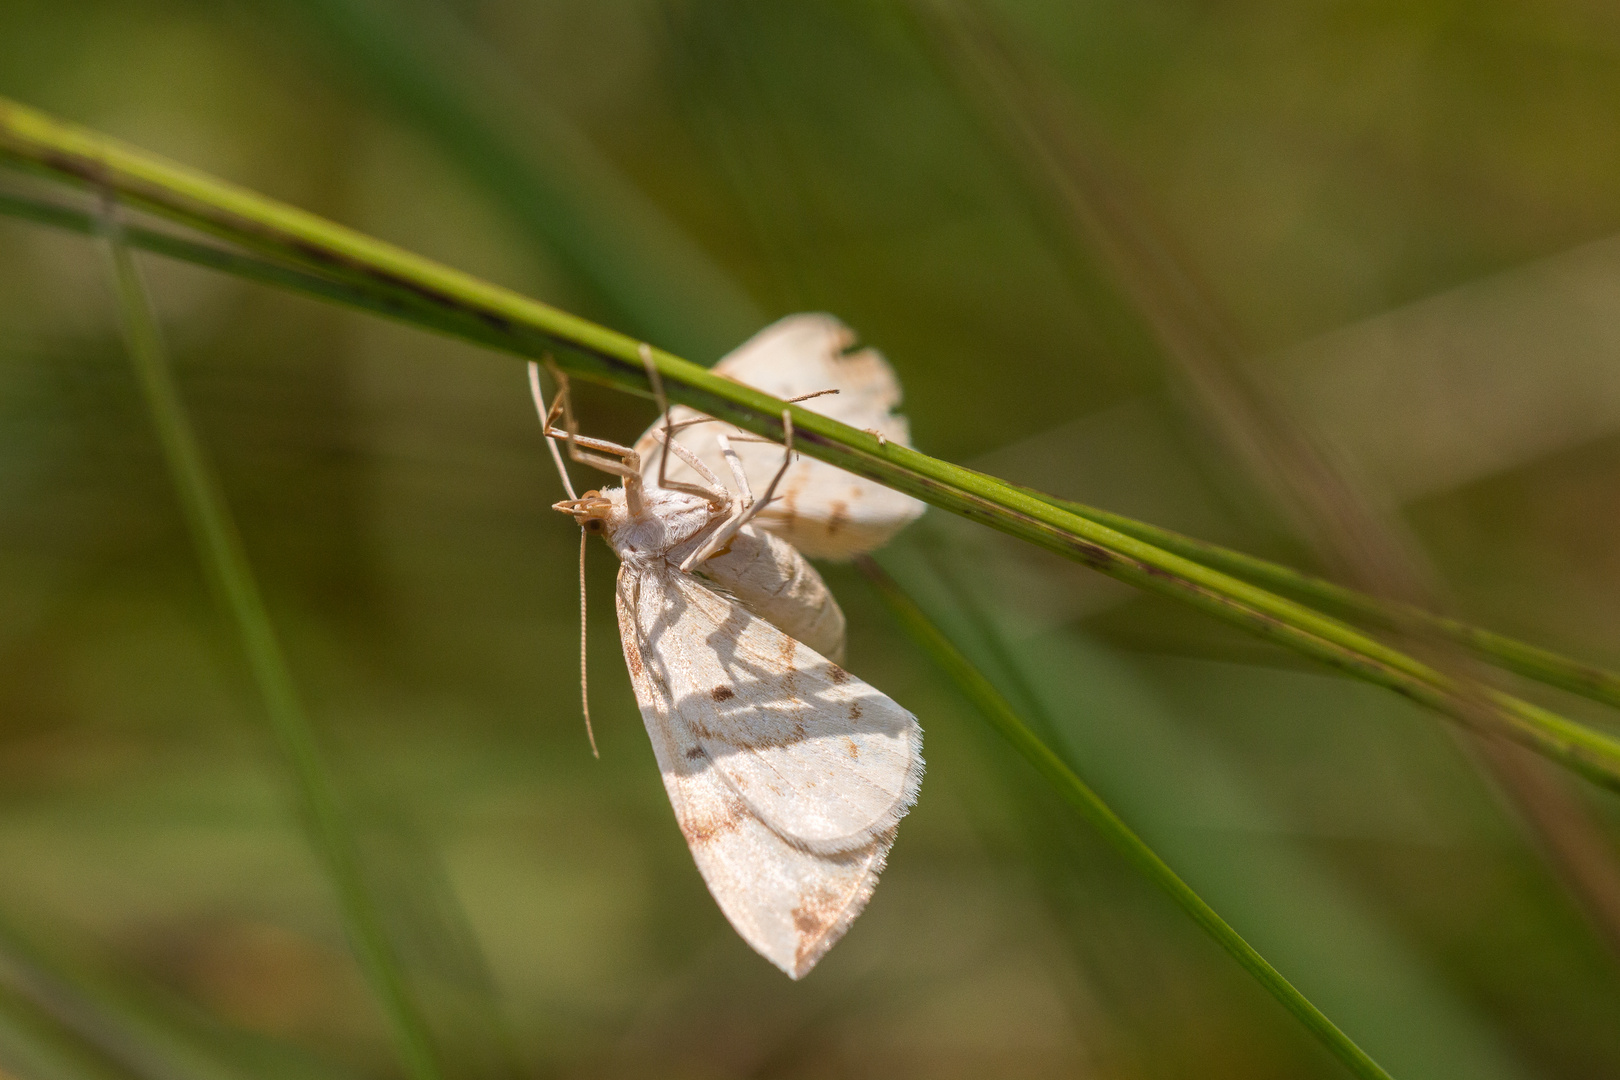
(32, 1048)
(430, 70)
(1153, 294)
(1240, 843)
(222, 553)
(479, 311)
(129, 1027)
(1086, 802)
(1200, 353)
(1521, 658)
(394, 302)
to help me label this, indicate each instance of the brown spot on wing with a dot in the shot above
(722, 693)
(815, 916)
(854, 710)
(838, 518)
(704, 829)
(756, 738)
(853, 750)
(784, 508)
(837, 674)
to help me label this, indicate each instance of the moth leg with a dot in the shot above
(686, 455)
(551, 444)
(723, 532)
(745, 494)
(746, 514)
(694, 422)
(712, 491)
(624, 461)
(740, 509)
(787, 459)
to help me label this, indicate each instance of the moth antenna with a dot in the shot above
(584, 683)
(812, 394)
(684, 424)
(540, 407)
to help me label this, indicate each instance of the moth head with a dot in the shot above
(590, 511)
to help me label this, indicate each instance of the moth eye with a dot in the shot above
(594, 525)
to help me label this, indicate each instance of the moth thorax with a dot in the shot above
(671, 519)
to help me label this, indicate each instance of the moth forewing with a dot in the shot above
(787, 774)
(821, 757)
(823, 511)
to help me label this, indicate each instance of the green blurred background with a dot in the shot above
(1406, 216)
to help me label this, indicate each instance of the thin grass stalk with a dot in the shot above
(220, 548)
(1109, 721)
(1006, 720)
(101, 1020)
(1531, 661)
(508, 321)
(1575, 845)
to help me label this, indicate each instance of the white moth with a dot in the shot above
(787, 774)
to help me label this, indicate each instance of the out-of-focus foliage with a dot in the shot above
(1406, 210)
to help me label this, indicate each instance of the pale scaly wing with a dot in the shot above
(768, 576)
(823, 511)
(721, 754)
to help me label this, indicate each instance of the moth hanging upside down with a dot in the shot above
(788, 775)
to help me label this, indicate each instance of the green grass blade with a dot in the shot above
(376, 297)
(132, 1026)
(1521, 658)
(32, 1047)
(1001, 715)
(1205, 811)
(221, 551)
(517, 324)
